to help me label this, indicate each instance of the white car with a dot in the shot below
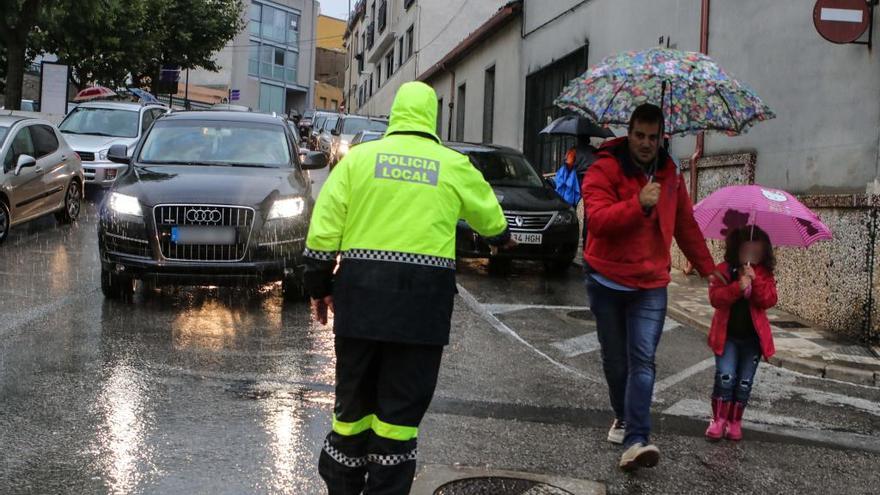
(40, 173)
(92, 128)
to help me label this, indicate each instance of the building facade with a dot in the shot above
(330, 57)
(270, 65)
(390, 42)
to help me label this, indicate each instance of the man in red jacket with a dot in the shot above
(636, 202)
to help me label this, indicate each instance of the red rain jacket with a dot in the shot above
(627, 245)
(722, 296)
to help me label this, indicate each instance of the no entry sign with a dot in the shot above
(841, 21)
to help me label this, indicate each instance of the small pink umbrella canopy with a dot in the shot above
(93, 93)
(785, 219)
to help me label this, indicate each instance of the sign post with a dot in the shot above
(844, 21)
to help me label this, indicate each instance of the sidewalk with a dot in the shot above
(799, 346)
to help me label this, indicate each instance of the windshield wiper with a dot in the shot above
(104, 134)
(172, 162)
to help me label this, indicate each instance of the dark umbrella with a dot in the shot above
(575, 125)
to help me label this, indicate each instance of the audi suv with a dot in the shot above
(543, 224)
(208, 198)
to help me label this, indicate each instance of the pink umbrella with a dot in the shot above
(784, 218)
(94, 93)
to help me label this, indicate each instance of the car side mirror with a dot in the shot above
(24, 161)
(118, 153)
(334, 132)
(314, 160)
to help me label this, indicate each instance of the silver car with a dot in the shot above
(41, 173)
(92, 128)
(345, 131)
(325, 137)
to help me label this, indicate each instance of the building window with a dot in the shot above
(274, 24)
(323, 102)
(440, 117)
(489, 105)
(271, 98)
(408, 3)
(459, 112)
(379, 75)
(271, 62)
(400, 52)
(382, 16)
(255, 10)
(371, 85)
(334, 104)
(389, 63)
(409, 42)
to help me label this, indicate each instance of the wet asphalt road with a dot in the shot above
(200, 390)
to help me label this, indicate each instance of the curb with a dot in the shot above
(800, 365)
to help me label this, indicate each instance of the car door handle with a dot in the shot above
(38, 170)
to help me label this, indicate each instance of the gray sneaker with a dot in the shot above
(617, 432)
(639, 456)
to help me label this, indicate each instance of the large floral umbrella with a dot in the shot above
(94, 93)
(694, 92)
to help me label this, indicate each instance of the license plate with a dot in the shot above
(203, 235)
(523, 238)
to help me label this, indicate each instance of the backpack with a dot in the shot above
(567, 185)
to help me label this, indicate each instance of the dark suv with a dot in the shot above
(208, 198)
(545, 226)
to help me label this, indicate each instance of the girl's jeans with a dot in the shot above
(735, 370)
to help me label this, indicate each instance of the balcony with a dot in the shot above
(383, 15)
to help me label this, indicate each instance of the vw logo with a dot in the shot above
(203, 216)
(518, 221)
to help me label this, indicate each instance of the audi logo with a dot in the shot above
(203, 216)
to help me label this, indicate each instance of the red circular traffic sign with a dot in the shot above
(841, 21)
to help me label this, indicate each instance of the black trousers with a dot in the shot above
(382, 392)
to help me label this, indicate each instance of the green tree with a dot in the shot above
(18, 20)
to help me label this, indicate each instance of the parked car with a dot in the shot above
(317, 127)
(92, 128)
(345, 130)
(41, 173)
(545, 226)
(216, 198)
(364, 137)
(27, 106)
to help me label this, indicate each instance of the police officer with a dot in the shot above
(389, 211)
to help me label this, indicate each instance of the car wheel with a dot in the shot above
(557, 266)
(72, 203)
(116, 286)
(5, 221)
(293, 288)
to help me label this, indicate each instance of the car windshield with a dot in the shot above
(378, 126)
(330, 123)
(3, 132)
(355, 125)
(370, 136)
(309, 114)
(241, 144)
(505, 169)
(111, 122)
(319, 122)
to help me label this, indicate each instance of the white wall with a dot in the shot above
(502, 51)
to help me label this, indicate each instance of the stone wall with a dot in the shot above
(833, 284)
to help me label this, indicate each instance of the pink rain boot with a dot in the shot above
(717, 428)
(734, 428)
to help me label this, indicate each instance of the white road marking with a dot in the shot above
(693, 408)
(587, 343)
(682, 375)
(498, 309)
(478, 308)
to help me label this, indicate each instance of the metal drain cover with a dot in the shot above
(497, 485)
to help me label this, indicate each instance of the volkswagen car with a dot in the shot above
(40, 175)
(208, 198)
(92, 128)
(544, 226)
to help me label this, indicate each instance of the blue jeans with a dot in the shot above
(735, 370)
(629, 326)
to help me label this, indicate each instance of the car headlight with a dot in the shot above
(565, 217)
(125, 204)
(102, 155)
(343, 147)
(287, 208)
